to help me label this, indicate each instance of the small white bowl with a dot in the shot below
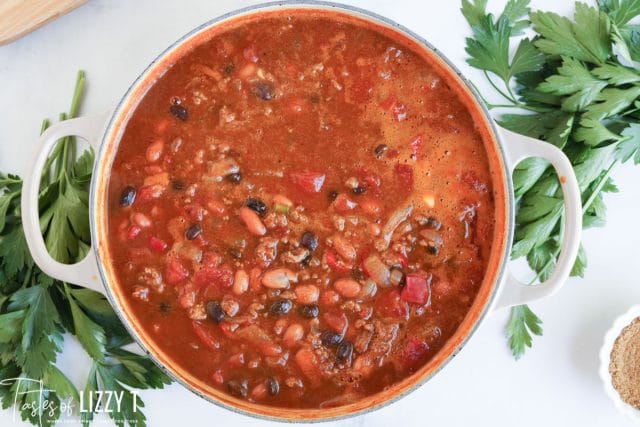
(605, 358)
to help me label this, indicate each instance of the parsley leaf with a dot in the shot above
(620, 11)
(523, 323)
(573, 79)
(586, 39)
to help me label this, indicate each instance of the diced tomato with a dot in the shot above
(249, 53)
(175, 272)
(417, 288)
(337, 264)
(404, 173)
(236, 360)
(310, 182)
(228, 329)
(149, 192)
(416, 145)
(205, 336)
(371, 179)
(392, 305)
(344, 203)
(413, 351)
(133, 232)
(404, 261)
(395, 107)
(336, 320)
(157, 244)
(194, 211)
(218, 377)
(219, 276)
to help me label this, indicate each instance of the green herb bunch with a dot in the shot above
(36, 311)
(575, 84)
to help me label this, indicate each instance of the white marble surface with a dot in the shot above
(556, 383)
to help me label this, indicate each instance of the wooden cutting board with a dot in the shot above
(20, 17)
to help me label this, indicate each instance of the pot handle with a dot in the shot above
(84, 273)
(519, 147)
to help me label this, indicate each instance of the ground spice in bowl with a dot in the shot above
(625, 364)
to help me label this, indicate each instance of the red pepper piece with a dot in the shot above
(310, 182)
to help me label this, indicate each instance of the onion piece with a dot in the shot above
(377, 270)
(397, 218)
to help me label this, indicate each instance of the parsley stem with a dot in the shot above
(585, 207)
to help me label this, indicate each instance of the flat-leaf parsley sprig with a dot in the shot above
(36, 311)
(575, 84)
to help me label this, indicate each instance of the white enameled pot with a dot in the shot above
(500, 288)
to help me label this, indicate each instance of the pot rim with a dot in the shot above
(507, 236)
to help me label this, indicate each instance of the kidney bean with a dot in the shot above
(241, 282)
(259, 392)
(307, 294)
(293, 334)
(348, 288)
(344, 248)
(280, 278)
(252, 221)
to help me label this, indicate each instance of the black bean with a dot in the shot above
(238, 388)
(281, 307)
(215, 311)
(180, 111)
(333, 194)
(177, 185)
(165, 307)
(193, 231)
(330, 338)
(234, 178)
(433, 223)
(380, 150)
(344, 351)
(432, 250)
(256, 205)
(360, 189)
(309, 311)
(128, 196)
(306, 261)
(264, 91)
(235, 253)
(229, 69)
(358, 274)
(273, 386)
(309, 240)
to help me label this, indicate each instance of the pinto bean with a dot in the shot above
(344, 248)
(241, 282)
(293, 334)
(252, 221)
(154, 151)
(348, 288)
(307, 294)
(280, 278)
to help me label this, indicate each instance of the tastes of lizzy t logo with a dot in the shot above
(31, 399)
